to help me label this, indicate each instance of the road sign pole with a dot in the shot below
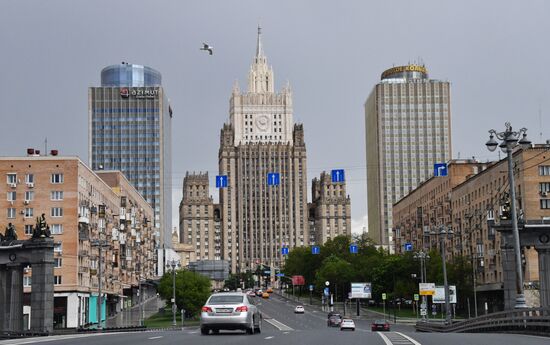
(358, 306)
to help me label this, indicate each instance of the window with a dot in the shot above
(29, 195)
(27, 281)
(56, 280)
(29, 212)
(57, 178)
(29, 178)
(544, 170)
(28, 229)
(57, 262)
(544, 187)
(56, 229)
(56, 212)
(545, 204)
(11, 212)
(11, 196)
(56, 195)
(11, 178)
(58, 247)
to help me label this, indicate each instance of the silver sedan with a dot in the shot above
(230, 310)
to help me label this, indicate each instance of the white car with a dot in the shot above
(299, 309)
(347, 324)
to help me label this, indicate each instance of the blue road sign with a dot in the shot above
(273, 179)
(280, 274)
(353, 249)
(284, 250)
(326, 292)
(315, 250)
(221, 181)
(408, 247)
(440, 169)
(338, 175)
(311, 288)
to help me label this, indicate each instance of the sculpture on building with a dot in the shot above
(10, 234)
(42, 229)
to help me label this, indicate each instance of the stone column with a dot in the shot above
(544, 275)
(42, 296)
(4, 288)
(508, 276)
(15, 318)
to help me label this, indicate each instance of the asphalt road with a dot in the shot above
(282, 326)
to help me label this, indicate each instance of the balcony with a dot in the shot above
(82, 253)
(83, 269)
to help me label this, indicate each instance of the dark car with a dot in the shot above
(380, 325)
(334, 320)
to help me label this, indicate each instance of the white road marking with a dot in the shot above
(52, 338)
(386, 340)
(280, 326)
(268, 337)
(158, 337)
(409, 338)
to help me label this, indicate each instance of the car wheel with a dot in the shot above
(258, 329)
(204, 331)
(250, 329)
(215, 331)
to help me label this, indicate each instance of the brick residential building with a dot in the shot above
(81, 206)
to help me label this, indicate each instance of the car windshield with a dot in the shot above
(379, 321)
(227, 299)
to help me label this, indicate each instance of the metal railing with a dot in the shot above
(523, 321)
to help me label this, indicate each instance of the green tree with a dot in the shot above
(192, 290)
(338, 272)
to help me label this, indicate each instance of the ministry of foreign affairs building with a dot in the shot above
(261, 215)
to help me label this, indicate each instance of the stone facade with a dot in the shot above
(330, 210)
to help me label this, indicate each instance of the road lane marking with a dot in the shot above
(409, 338)
(280, 326)
(386, 340)
(268, 337)
(158, 337)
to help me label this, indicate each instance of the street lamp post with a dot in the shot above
(100, 244)
(173, 264)
(509, 140)
(443, 232)
(422, 256)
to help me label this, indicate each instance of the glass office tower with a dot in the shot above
(130, 130)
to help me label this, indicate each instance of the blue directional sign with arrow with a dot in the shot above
(440, 169)
(315, 250)
(353, 249)
(273, 179)
(284, 250)
(338, 175)
(221, 181)
(408, 247)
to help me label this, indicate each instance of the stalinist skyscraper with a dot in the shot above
(259, 218)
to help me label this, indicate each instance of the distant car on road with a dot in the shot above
(380, 325)
(265, 295)
(230, 310)
(347, 324)
(299, 309)
(259, 292)
(269, 290)
(251, 293)
(334, 320)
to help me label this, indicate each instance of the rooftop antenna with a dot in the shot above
(46, 146)
(540, 123)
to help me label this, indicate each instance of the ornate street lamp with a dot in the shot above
(508, 141)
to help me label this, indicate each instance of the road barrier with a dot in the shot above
(534, 321)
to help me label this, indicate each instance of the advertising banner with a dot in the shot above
(298, 280)
(361, 290)
(426, 289)
(439, 296)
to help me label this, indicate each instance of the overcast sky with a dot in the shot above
(496, 54)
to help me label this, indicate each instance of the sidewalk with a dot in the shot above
(130, 316)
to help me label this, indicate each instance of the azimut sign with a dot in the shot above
(142, 92)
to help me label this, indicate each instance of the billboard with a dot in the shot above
(360, 290)
(439, 296)
(298, 280)
(426, 289)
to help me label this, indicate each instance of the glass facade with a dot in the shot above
(130, 131)
(130, 75)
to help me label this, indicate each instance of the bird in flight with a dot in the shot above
(207, 47)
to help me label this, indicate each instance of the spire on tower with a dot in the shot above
(259, 51)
